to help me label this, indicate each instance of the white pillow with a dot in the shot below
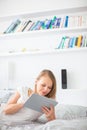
(70, 111)
(5, 95)
(67, 112)
(22, 115)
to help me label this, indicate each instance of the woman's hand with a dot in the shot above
(49, 112)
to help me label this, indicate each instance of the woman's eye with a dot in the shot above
(49, 87)
(43, 85)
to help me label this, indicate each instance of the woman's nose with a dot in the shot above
(45, 88)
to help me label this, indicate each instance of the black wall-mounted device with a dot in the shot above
(64, 78)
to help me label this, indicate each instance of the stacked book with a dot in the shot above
(70, 42)
(55, 22)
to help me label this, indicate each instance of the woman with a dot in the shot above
(45, 85)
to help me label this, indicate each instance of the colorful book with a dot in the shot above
(13, 26)
(58, 22)
(47, 23)
(52, 25)
(84, 41)
(74, 41)
(26, 24)
(66, 42)
(39, 25)
(34, 26)
(66, 21)
(71, 42)
(21, 26)
(79, 42)
(61, 45)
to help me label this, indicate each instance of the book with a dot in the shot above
(21, 26)
(84, 41)
(39, 25)
(79, 42)
(26, 24)
(12, 26)
(71, 44)
(36, 101)
(66, 42)
(61, 45)
(66, 21)
(34, 26)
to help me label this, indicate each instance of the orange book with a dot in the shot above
(79, 41)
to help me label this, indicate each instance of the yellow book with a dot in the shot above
(79, 41)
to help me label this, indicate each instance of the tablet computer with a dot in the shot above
(36, 101)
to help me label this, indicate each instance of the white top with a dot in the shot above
(23, 94)
(27, 113)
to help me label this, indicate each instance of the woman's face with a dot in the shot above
(44, 85)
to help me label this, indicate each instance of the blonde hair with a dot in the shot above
(52, 93)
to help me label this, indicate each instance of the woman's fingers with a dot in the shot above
(47, 110)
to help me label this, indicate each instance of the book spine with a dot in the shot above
(79, 41)
(74, 41)
(66, 21)
(61, 45)
(32, 24)
(13, 26)
(66, 42)
(53, 22)
(26, 24)
(58, 22)
(35, 25)
(47, 24)
(71, 42)
(39, 26)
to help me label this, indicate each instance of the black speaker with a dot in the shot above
(64, 78)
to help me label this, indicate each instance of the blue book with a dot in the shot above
(39, 25)
(53, 22)
(71, 42)
(61, 45)
(66, 21)
(58, 22)
(47, 24)
(34, 26)
(13, 26)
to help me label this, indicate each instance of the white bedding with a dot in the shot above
(68, 117)
(75, 124)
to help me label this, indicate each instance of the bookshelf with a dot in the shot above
(42, 43)
(41, 33)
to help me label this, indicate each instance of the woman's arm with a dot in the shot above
(12, 106)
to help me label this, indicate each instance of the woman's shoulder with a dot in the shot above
(30, 91)
(25, 90)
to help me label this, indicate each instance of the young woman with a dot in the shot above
(45, 85)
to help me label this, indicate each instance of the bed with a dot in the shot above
(69, 116)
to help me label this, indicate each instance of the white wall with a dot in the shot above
(9, 7)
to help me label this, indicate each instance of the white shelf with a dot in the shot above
(43, 32)
(48, 51)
